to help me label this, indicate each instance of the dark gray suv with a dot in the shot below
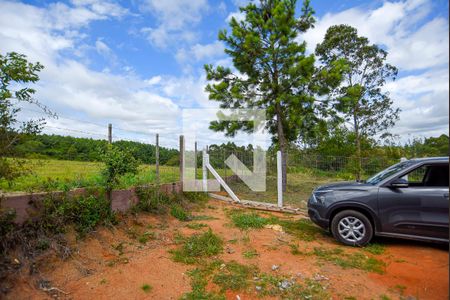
(407, 200)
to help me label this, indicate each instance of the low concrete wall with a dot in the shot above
(26, 205)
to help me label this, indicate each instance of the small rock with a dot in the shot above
(284, 284)
(229, 250)
(16, 261)
(275, 227)
(222, 266)
(238, 297)
(275, 267)
(319, 277)
(258, 288)
(255, 278)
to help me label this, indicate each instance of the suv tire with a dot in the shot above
(352, 228)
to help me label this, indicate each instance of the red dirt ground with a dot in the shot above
(99, 271)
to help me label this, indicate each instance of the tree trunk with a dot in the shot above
(283, 147)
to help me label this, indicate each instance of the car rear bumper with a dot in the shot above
(315, 217)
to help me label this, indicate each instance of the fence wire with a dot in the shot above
(305, 172)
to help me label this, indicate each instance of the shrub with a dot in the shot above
(117, 162)
(84, 212)
(150, 200)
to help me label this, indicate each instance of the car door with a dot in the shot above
(421, 208)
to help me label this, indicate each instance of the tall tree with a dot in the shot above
(272, 71)
(359, 99)
(15, 73)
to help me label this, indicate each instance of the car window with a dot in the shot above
(389, 172)
(416, 176)
(428, 175)
(437, 175)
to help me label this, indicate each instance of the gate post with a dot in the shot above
(205, 162)
(279, 179)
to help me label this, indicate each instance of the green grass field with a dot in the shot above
(51, 174)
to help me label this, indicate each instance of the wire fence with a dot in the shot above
(76, 163)
(305, 172)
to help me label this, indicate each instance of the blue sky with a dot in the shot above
(138, 64)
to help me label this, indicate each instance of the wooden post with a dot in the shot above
(195, 161)
(157, 159)
(181, 158)
(110, 133)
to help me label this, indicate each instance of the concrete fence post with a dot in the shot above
(195, 161)
(280, 179)
(205, 162)
(181, 159)
(157, 159)
(109, 191)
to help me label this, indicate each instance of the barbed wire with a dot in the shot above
(75, 130)
(89, 122)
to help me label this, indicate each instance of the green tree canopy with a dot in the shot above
(15, 73)
(271, 71)
(359, 100)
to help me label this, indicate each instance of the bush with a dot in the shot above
(117, 162)
(151, 200)
(84, 212)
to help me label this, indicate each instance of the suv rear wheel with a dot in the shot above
(352, 228)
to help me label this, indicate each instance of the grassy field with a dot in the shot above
(49, 175)
(62, 174)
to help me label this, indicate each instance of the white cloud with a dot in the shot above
(423, 100)
(103, 49)
(154, 80)
(62, 16)
(176, 19)
(238, 15)
(189, 91)
(200, 53)
(69, 87)
(397, 26)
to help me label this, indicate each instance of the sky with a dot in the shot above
(138, 64)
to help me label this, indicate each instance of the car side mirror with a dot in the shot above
(399, 183)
